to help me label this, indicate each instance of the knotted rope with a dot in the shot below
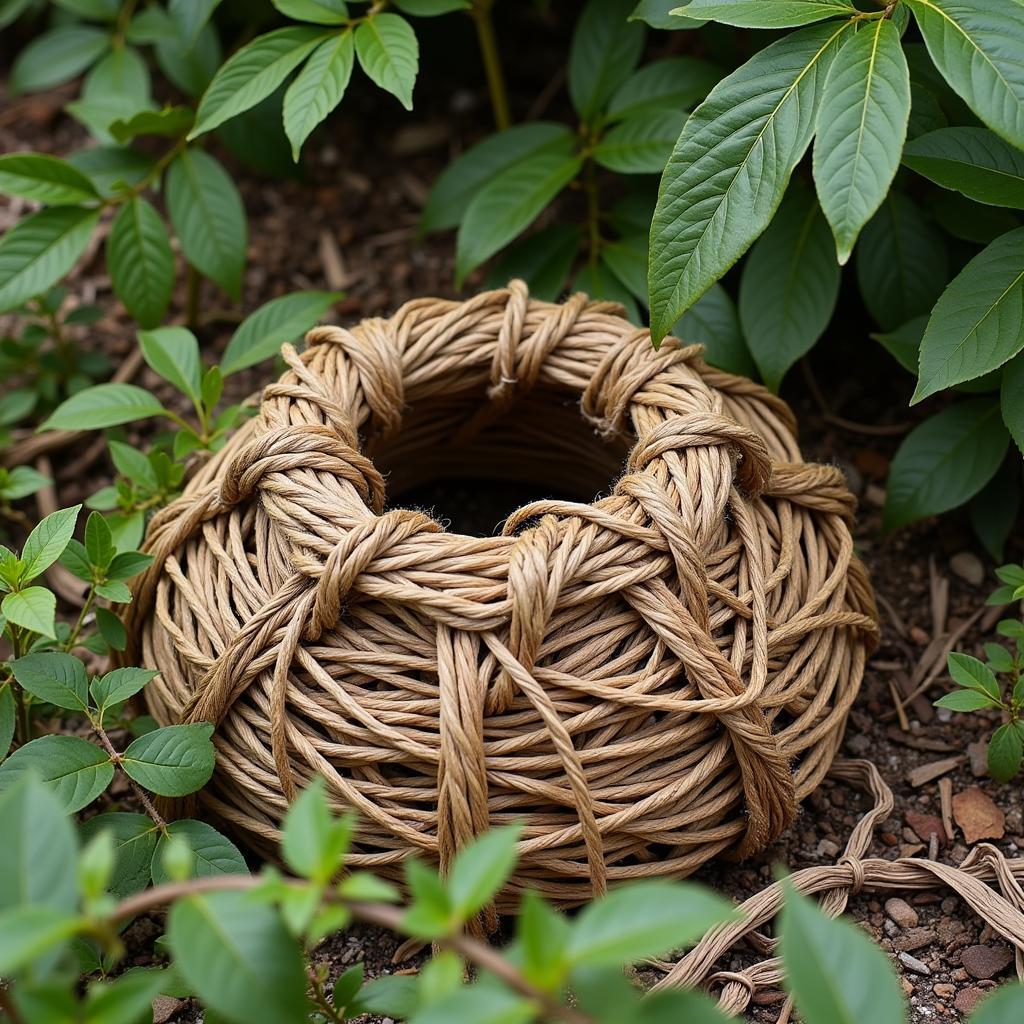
(645, 681)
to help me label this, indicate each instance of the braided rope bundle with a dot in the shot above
(646, 681)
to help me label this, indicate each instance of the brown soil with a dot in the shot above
(351, 224)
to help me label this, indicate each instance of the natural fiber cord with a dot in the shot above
(645, 682)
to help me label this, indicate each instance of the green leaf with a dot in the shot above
(253, 73)
(543, 261)
(978, 322)
(1012, 399)
(994, 509)
(675, 83)
(118, 87)
(347, 987)
(8, 719)
(1004, 1006)
(140, 262)
(480, 1003)
(213, 854)
(26, 933)
(170, 122)
(238, 958)
(191, 69)
(731, 166)
(599, 281)
(605, 49)
(112, 168)
(56, 56)
(190, 17)
(432, 8)
(56, 678)
(318, 89)
(789, 287)
(965, 700)
(862, 124)
(431, 914)
(45, 179)
(118, 685)
(39, 250)
(262, 333)
(481, 869)
(999, 659)
(99, 544)
(173, 761)
(313, 843)
(834, 971)
(173, 353)
(76, 770)
(904, 343)
(12, 10)
(643, 919)
(774, 14)
(465, 176)
(712, 321)
(944, 461)
(47, 541)
(208, 218)
(34, 608)
(104, 405)
(21, 482)
(128, 564)
(641, 144)
(973, 161)
(37, 856)
(319, 12)
(135, 838)
(901, 262)
(100, 10)
(127, 999)
(389, 54)
(508, 204)
(973, 674)
(661, 14)
(976, 45)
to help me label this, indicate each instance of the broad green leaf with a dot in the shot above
(926, 115)
(313, 842)
(140, 262)
(212, 853)
(319, 12)
(173, 353)
(994, 509)
(480, 1003)
(208, 218)
(253, 73)
(76, 770)
(190, 17)
(862, 124)
(431, 914)
(944, 461)
(712, 321)
(835, 972)
(236, 955)
(432, 8)
(789, 287)
(481, 869)
(135, 838)
(643, 919)
(661, 14)
(973, 674)
(112, 168)
(34, 608)
(38, 251)
(318, 89)
(170, 121)
(37, 856)
(99, 544)
(22, 481)
(389, 53)
(11, 10)
(978, 322)
(117, 88)
(627, 259)
(466, 175)
(675, 83)
(56, 56)
(976, 44)
(542, 937)
(1003, 1006)
(27, 933)
(600, 281)
(543, 261)
(173, 761)
(191, 69)
(118, 685)
(605, 49)
(8, 719)
(44, 178)
(640, 144)
(508, 204)
(731, 166)
(127, 999)
(261, 334)
(100, 10)
(104, 405)
(904, 343)
(1012, 399)
(965, 700)
(901, 262)
(48, 539)
(56, 678)
(770, 14)
(970, 160)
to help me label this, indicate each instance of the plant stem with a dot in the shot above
(481, 14)
(90, 599)
(143, 796)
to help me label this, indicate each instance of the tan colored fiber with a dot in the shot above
(646, 681)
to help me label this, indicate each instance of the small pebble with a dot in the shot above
(968, 567)
(986, 961)
(968, 998)
(913, 964)
(978, 753)
(901, 912)
(944, 990)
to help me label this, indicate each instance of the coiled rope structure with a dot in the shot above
(645, 681)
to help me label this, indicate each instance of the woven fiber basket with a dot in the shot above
(645, 681)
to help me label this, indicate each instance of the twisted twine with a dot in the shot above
(645, 681)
